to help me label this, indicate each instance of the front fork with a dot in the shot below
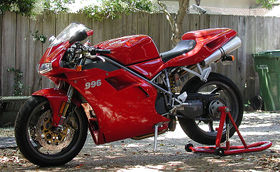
(64, 106)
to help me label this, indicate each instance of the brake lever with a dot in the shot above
(93, 57)
(101, 58)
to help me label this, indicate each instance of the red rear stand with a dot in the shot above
(228, 150)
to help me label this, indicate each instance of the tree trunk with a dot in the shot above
(176, 22)
(183, 10)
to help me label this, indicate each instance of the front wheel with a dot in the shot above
(43, 144)
(203, 128)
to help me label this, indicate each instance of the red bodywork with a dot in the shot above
(123, 110)
(123, 104)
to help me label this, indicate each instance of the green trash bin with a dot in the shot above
(267, 64)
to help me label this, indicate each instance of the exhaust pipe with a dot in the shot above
(225, 49)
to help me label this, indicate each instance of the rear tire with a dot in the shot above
(232, 100)
(43, 144)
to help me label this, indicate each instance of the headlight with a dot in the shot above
(45, 67)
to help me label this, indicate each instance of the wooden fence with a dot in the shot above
(19, 50)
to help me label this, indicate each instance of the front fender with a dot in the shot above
(55, 97)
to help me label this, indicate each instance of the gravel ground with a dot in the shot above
(132, 155)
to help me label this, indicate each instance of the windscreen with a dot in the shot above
(68, 32)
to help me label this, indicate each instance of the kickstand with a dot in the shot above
(155, 137)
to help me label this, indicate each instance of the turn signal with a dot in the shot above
(232, 57)
(79, 68)
(228, 58)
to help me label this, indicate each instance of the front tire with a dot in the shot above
(204, 131)
(43, 144)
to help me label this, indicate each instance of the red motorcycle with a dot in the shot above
(123, 88)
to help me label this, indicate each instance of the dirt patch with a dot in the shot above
(7, 132)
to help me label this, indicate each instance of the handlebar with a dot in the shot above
(77, 54)
(94, 51)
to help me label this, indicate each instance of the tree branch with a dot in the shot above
(171, 20)
(169, 17)
(176, 22)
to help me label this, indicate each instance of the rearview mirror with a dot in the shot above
(78, 36)
(51, 39)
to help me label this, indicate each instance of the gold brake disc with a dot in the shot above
(52, 138)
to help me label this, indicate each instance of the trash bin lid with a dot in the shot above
(268, 54)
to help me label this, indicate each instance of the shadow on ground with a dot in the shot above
(130, 155)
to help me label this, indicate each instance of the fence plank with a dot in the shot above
(61, 22)
(260, 38)
(251, 88)
(116, 28)
(48, 30)
(143, 27)
(242, 54)
(186, 24)
(21, 48)
(204, 21)
(8, 52)
(165, 36)
(1, 76)
(234, 76)
(35, 54)
(154, 31)
(107, 30)
(276, 26)
(97, 31)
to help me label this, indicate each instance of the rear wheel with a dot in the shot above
(203, 128)
(43, 144)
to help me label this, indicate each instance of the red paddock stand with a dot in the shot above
(228, 150)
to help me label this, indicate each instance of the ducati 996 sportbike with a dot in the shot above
(124, 88)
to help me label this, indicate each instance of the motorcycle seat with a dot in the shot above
(182, 47)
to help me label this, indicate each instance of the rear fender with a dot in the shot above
(55, 97)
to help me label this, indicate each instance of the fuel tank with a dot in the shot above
(132, 49)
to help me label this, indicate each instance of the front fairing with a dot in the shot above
(50, 62)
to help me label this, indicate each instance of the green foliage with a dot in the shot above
(106, 8)
(23, 7)
(57, 5)
(39, 37)
(33, 7)
(18, 85)
(266, 3)
(111, 9)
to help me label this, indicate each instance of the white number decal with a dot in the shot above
(92, 84)
(98, 83)
(87, 85)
